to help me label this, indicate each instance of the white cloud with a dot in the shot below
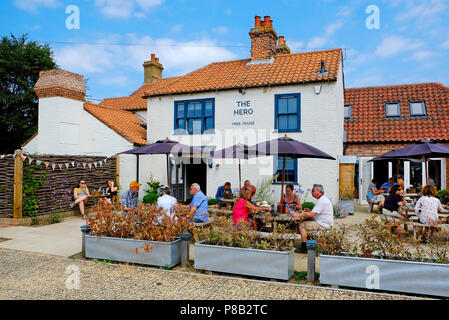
(33, 5)
(177, 58)
(126, 8)
(316, 43)
(118, 81)
(446, 44)
(295, 46)
(423, 55)
(221, 29)
(393, 45)
(421, 11)
(228, 11)
(176, 28)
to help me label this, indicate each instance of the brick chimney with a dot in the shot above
(282, 47)
(152, 70)
(60, 83)
(263, 39)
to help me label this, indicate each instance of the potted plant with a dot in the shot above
(153, 192)
(347, 202)
(381, 260)
(240, 250)
(146, 236)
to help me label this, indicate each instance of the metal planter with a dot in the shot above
(162, 254)
(388, 275)
(348, 205)
(243, 261)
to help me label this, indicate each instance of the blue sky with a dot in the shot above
(117, 36)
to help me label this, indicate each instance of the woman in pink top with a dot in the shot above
(243, 207)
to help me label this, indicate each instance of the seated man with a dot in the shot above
(198, 206)
(226, 188)
(130, 199)
(167, 202)
(387, 185)
(322, 216)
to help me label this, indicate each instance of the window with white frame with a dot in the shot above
(348, 110)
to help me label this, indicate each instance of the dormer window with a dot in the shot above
(393, 109)
(348, 110)
(417, 108)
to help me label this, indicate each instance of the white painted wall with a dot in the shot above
(321, 123)
(65, 128)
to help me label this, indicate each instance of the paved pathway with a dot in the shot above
(26, 275)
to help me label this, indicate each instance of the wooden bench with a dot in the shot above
(209, 221)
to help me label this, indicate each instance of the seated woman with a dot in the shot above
(392, 203)
(428, 206)
(243, 207)
(81, 195)
(374, 194)
(111, 191)
(291, 199)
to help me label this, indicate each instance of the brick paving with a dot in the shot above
(25, 275)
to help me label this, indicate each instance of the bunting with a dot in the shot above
(74, 164)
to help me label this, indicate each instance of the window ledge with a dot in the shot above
(192, 134)
(407, 118)
(286, 131)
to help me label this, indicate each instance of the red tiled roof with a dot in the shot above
(123, 122)
(135, 100)
(369, 124)
(285, 69)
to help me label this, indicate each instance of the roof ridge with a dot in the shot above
(396, 85)
(110, 108)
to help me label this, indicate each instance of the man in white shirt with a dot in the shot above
(167, 202)
(322, 216)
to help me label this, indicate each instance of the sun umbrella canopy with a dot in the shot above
(380, 158)
(419, 150)
(288, 147)
(237, 151)
(165, 146)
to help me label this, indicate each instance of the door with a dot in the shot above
(347, 172)
(365, 177)
(195, 173)
(177, 180)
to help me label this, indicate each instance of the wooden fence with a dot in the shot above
(51, 187)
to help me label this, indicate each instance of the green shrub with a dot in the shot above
(54, 218)
(443, 195)
(150, 198)
(212, 201)
(309, 205)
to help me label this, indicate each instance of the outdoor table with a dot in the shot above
(283, 218)
(229, 202)
(220, 212)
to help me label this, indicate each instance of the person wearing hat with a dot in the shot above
(130, 199)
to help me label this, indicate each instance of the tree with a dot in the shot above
(20, 64)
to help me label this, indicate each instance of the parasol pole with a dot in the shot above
(282, 186)
(168, 175)
(240, 176)
(425, 164)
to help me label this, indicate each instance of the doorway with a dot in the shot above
(381, 171)
(177, 177)
(195, 173)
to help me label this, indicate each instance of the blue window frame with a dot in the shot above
(194, 116)
(393, 109)
(417, 108)
(291, 170)
(287, 117)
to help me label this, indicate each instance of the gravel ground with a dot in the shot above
(26, 275)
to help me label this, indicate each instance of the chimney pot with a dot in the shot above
(281, 40)
(157, 60)
(153, 56)
(257, 22)
(152, 70)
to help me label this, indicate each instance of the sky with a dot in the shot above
(385, 41)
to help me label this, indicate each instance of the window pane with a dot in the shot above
(292, 105)
(197, 110)
(209, 123)
(180, 113)
(283, 122)
(208, 111)
(191, 110)
(347, 108)
(194, 126)
(282, 105)
(292, 122)
(181, 124)
(393, 109)
(417, 108)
